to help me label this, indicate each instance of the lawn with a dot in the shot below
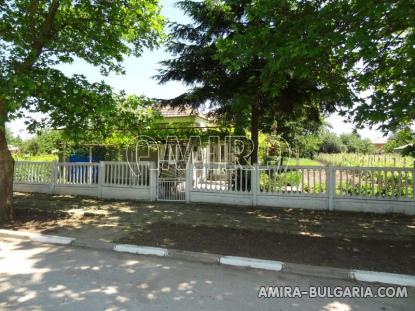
(340, 239)
(303, 162)
(360, 159)
(37, 158)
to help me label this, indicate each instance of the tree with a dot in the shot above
(11, 139)
(400, 138)
(379, 40)
(355, 144)
(38, 35)
(257, 64)
(331, 143)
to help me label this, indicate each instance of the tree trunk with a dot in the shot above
(254, 131)
(6, 170)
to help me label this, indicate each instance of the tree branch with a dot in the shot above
(38, 44)
(31, 22)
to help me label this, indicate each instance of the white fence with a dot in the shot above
(361, 189)
(110, 180)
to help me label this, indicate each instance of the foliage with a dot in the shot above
(377, 184)
(360, 159)
(278, 181)
(46, 142)
(379, 40)
(400, 138)
(303, 162)
(12, 139)
(361, 52)
(36, 158)
(37, 36)
(355, 144)
(215, 55)
(331, 143)
(352, 143)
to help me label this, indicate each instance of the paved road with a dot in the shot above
(45, 277)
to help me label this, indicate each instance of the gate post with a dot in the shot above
(331, 185)
(153, 182)
(54, 169)
(255, 184)
(101, 178)
(189, 180)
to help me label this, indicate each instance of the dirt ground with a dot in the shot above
(338, 239)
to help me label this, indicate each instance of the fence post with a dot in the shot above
(189, 180)
(101, 178)
(153, 181)
(53, 177)
(254, 184)
(331, 185)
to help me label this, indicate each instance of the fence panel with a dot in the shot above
(124, 174)
(79, 173)
(375, 182)
(33, 172)
(222, 177)
(293, 180)
(171, 190)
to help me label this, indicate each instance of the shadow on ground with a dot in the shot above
(46, 277)
(340, 239)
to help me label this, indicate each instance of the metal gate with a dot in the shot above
(171, 181)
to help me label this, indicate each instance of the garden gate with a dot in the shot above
(171, 181)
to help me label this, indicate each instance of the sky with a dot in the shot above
(138, 80)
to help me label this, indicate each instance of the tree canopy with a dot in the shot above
(265, 61)
(255, 64)
(38, 35)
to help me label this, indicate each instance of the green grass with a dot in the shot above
(303, 162)
(358, 159)
(37, 158)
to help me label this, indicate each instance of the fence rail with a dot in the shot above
(293, 180)
(375, 182)
(221, 177)
(80, 173)
(324, 187)
(33, 172)
(124, 174)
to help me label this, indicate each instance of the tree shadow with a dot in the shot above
(45, 277)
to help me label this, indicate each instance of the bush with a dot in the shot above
(331, 143)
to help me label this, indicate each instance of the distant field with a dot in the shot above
(38, 158)
(339, 159)
(303, 162)
(357, 159)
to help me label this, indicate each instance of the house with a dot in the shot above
(177, 122)
(404, 148)
(172, 133)
(379, 146)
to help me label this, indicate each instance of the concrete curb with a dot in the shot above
(271, 265)
(251, 263)
(383, 277)
(43, 238)
(141, 250)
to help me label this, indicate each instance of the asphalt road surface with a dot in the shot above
(37, 276)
